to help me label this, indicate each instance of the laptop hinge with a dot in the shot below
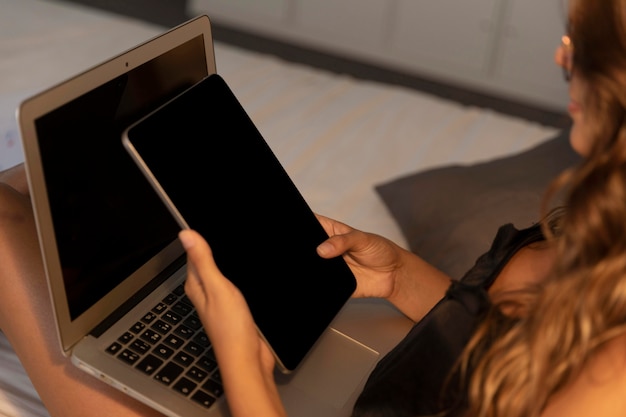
(138, 296)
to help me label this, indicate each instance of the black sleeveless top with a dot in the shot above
(409, 380)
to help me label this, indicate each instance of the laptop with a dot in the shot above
(114, 266)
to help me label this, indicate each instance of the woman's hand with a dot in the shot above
(384, 269)
(246, 363)
(374, 260)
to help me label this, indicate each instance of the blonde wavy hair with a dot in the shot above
(518, 363)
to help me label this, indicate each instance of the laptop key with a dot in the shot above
(210, 353)
(168, 373)
(159, 308)
(128, 356)
(140, 346)
(172, 318)
(185, 386)
(217, 377)
(213, 387)
(149, 317)
(184, 359)
(173, 341)
(137, 327)
(114, 348)
(197, 374)
(161, 327)
(163, 351)
(194, 349)
(186, 300)
(207, 363)
(180, 290)
(151, 336)
(193, 322)
(202, 339)
(183, 331)
(170, 299)
(149, 364)
(125, 338)
(182, 308)
(203, 399)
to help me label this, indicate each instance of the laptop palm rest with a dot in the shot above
(333, 373)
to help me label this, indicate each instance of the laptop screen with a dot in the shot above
(106, 218)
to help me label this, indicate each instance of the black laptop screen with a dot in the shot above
(107, 220)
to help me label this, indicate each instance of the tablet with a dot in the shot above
(216, 174)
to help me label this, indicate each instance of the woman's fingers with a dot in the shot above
(333, 227)
(203, 275)
(199, 256)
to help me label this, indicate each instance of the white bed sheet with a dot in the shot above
(337, 136)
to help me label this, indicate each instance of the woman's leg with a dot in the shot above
(26, 317)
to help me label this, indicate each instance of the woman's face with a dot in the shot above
(579, 137)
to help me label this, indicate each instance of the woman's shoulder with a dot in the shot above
(599, 389)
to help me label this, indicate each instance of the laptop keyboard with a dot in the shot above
(170, 345)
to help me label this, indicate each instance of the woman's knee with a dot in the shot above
(15, 177)
(20, 255)
(16, 214)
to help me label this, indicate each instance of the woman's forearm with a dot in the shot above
(418, 287)
(251, 391)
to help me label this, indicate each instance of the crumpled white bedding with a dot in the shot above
(336, 136)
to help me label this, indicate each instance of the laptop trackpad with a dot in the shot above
(333, 370)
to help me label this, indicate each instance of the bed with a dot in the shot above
(432, 175)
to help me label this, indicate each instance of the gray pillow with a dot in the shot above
(450, 215)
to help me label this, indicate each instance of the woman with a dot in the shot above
(553, 342)
(542, 321)
(568, 356)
